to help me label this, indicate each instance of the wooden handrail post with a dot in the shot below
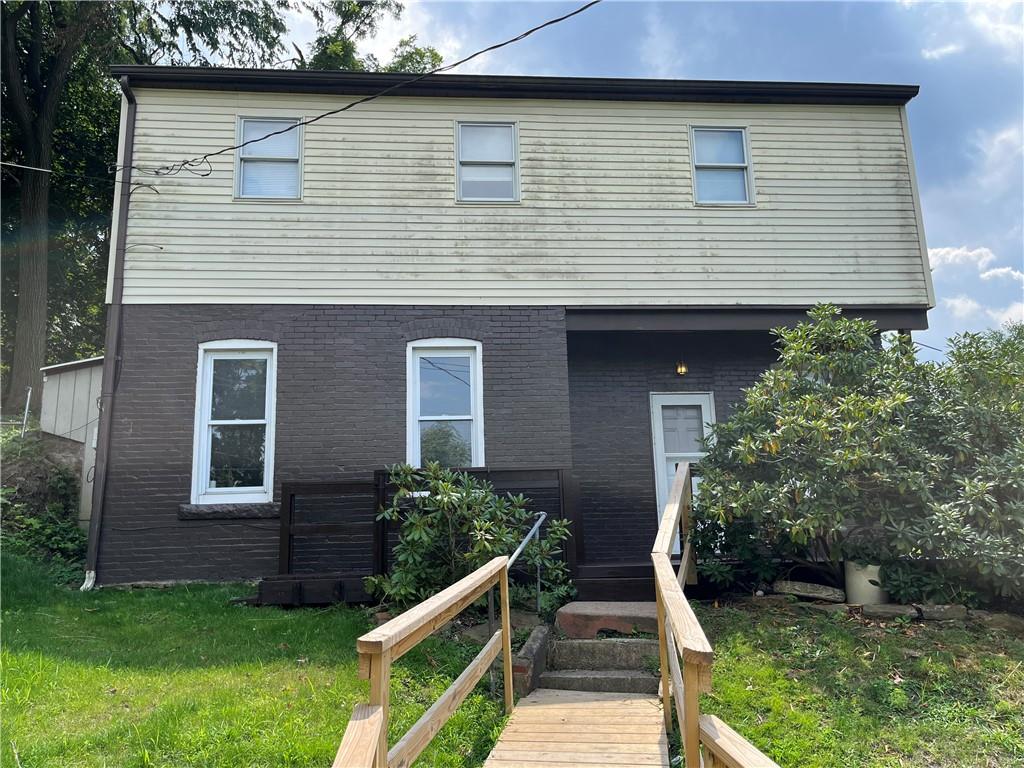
(666, 695)
(691, 715)
(506, 639)
(380, 684)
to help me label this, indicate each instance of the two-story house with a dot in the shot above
(487, 271)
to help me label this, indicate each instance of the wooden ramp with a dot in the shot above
(562, 729)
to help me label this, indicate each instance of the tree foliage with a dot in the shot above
(345, 23)
(451, 523)
(853, 448)
(60, 112)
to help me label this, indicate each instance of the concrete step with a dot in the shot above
(610, 653)
(600, 680)
(583, 620)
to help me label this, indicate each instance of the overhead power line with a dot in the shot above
(200, 166)
(76, 174)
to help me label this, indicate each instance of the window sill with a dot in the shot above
(227, 511)
(725, 205)
(292, 200)
(489, 202)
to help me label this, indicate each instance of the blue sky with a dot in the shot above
(966, 124)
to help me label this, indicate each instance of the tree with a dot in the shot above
(60, 113)
(849, 448)
(40, 44)
(336, 47)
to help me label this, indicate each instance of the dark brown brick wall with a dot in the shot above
(611, 377)
(340, 415)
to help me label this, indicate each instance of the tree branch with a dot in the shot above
(12, 68)
(33, 69)
(57, 79)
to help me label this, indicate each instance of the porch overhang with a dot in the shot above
(669, 319)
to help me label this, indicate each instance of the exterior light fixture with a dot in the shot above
(681, 368)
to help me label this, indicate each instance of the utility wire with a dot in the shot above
(203, 161)
(200, 166)
(56, 172)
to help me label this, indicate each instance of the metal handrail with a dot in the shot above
(535, 531)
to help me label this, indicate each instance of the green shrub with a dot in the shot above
(850, 448)
(922, 582)
(39, 508)
(451, 523)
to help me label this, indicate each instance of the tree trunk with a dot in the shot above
(30, 331)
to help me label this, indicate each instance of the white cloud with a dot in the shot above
(999, 23)
(1000, 153)
(660, 50)
(941, 257)
(940, 52)
(962, 307)
(415, 20)
(1001, 272)
(1011, 314)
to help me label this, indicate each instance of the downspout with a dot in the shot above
(112, 344)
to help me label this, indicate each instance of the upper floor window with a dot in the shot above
(233, 452)
(721, 166)
(444, 405)
(270, 168)
(487, 158)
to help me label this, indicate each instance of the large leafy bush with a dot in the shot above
(851, 448)
(451, 523)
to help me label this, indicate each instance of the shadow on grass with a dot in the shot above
(182, 628)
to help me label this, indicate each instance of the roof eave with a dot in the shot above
(514, 87)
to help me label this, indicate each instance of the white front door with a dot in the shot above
(679, 422)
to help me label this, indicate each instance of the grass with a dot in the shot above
(830, 691)
(180, 677)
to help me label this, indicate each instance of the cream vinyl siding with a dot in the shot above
(606, 215)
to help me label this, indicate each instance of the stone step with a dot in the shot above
(600, 680)
(610, 653)
(583, 620)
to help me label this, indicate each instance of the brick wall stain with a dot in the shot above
(611, 377)
(340, 415)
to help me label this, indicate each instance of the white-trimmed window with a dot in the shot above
(271, 168)
(233, 452)
(487, 155)
(721, 166)
(444, 403)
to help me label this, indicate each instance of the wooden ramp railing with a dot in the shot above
(685, 654)
(365, 743)
(681, 638)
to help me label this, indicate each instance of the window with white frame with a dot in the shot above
(270, 168)
(445, 403)
(233, 452)
(487, 157)
(721, 166)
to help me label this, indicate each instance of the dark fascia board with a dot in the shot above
(582, 319)
(513, 87)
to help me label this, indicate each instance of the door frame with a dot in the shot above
(706, 402)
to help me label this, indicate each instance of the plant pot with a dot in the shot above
(859, 589)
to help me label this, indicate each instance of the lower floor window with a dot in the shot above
(444, 403)
(233, 456)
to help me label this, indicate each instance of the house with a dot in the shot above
(510, 272)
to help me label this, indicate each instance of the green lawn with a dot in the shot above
(179, 677)
(815, 690)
